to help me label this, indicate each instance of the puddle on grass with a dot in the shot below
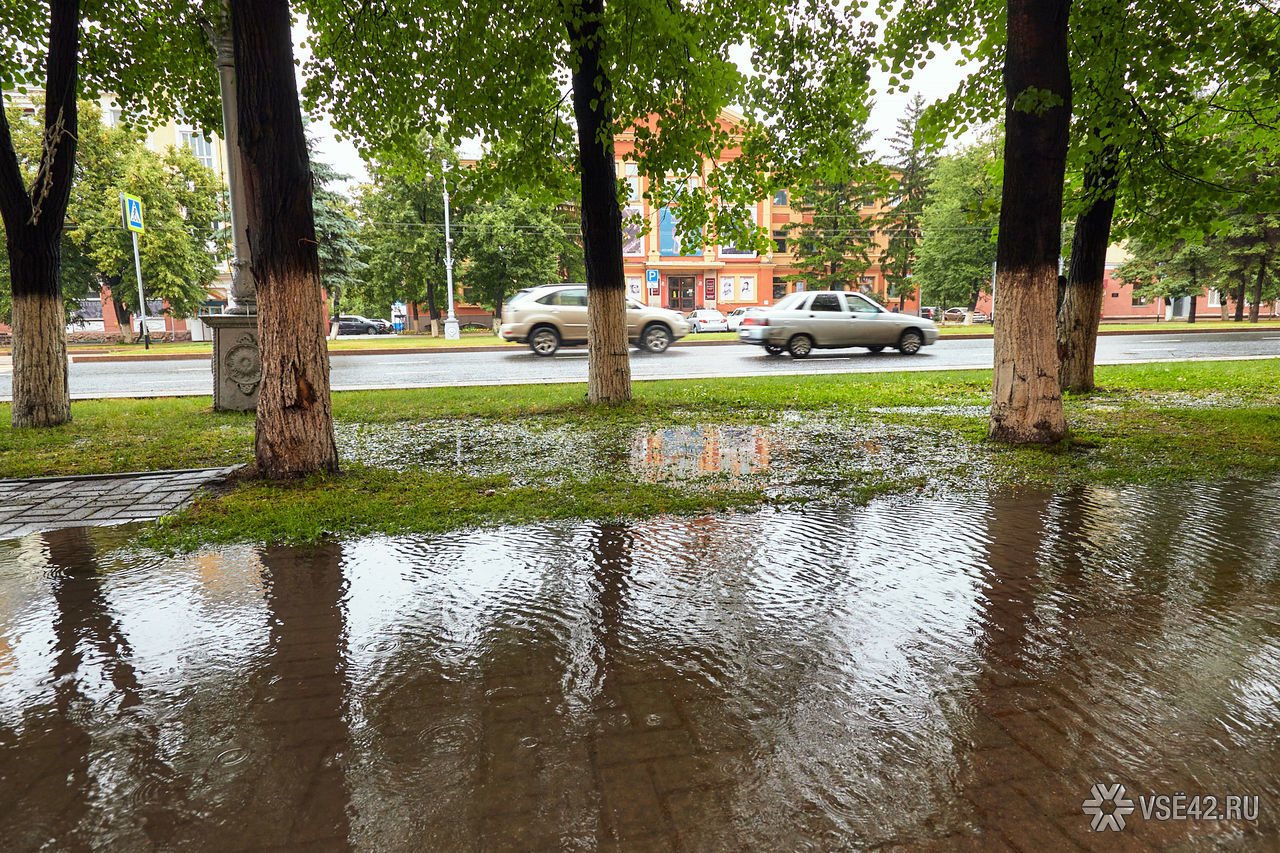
(791, 458)
(947, 670)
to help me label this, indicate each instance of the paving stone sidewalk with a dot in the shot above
(47, 503)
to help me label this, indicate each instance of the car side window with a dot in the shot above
(576, 297)
(858, 305)
(825, 302)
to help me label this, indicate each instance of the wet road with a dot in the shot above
(353, 372)
(945, 673)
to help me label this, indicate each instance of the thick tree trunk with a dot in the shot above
(33, 232)
(608, 365)
(1026, 403)
(1080, 307)
(1240, 300)
(1191, 314)
(1257, 292)
(295, 417)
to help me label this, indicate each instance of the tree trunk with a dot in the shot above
(1026, 403)
(33, 232)
(1257, 293)
(608, 366)
(1191, 313)
(1240, 300)
(1080, 308)
(295, 417)
(335, 324)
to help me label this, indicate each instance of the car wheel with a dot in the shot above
(910, 342)
(371, 331)
(544, 341)
(800, 346)
(655, 337)
(877, 348)
(773, 349)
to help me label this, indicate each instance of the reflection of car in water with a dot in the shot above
(555, 315)
(832, 319)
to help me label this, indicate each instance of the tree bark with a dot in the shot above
(608, 365)
(1191, 314)
(1240, 300)
(1026, 403)
(33, 223)
(1081, 305)
(1257, 293)
(294, 433)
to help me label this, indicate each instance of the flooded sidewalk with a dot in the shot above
(967, 672)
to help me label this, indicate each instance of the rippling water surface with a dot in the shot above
(918, 671)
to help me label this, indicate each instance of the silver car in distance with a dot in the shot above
(833, 319)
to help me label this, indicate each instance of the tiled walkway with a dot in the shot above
(48, 503)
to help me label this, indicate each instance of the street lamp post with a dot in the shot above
(450, 321)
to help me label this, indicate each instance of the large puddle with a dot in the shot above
(916, 671)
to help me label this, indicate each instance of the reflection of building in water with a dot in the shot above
(684, 451)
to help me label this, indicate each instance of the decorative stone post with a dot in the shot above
(237, 365)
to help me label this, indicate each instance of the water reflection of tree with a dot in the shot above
(1113, 647)
(295, 777)
(87, 770)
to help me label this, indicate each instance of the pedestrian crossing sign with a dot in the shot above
(132, 213)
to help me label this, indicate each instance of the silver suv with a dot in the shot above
(555, 315)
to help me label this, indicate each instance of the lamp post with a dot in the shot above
(450, 321)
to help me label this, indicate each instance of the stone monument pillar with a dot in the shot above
(237, 364)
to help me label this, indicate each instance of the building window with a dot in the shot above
(631, 174)
(780, 242)
(1139, 300)
(779, 288)
(1214, 299)
(780, 198)
(201, 146)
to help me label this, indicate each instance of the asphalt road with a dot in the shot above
(153, 378)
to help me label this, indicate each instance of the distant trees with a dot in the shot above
(337, 233)
(509, 244)
(913, 162)
(833, 250)
(958, 225)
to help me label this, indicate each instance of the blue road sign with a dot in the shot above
(651, 276)
(133, 213)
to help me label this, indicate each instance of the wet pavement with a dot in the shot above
(920, 673)
(47, 503)
(350, 372)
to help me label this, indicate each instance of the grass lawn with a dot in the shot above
(428, 460)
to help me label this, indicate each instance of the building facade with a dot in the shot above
(661, 272)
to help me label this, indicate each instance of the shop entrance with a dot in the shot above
(680, 292)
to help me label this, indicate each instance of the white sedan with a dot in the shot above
(707, 320)
(831, 319)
